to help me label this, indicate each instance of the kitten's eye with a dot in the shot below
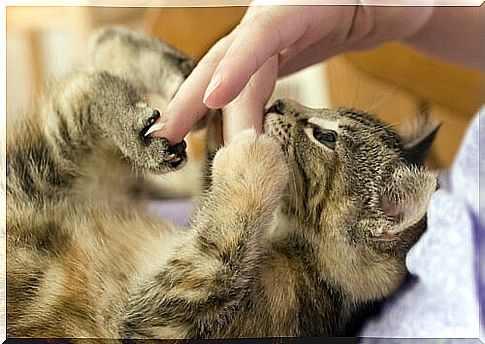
(325, 136)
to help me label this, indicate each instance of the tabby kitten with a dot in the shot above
(300, 230)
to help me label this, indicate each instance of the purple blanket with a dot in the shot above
(447, 293)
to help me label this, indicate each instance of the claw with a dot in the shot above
(154, 127)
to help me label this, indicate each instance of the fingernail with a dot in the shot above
(213, 85)
(158, 125)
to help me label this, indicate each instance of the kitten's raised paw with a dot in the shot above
(148, 152)
(253, 160)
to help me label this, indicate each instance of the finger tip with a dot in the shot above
(211, 102)
(215, 99)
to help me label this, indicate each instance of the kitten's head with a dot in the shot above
(357, 186)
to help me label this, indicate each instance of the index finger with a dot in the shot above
(262, 34)
(186, 108)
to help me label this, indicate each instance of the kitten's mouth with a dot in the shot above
(176, 154)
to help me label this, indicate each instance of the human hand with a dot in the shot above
(239, 72)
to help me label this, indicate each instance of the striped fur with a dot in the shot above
(289, 239)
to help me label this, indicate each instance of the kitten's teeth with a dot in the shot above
(171, 157)
(155, 127)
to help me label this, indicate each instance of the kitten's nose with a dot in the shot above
(288, 107)
(277, 107)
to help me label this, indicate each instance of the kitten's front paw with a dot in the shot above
(145, 151)
(254, 161)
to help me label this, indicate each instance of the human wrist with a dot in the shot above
(450, 34)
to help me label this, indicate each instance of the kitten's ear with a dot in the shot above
(418, 136)
(405, 200)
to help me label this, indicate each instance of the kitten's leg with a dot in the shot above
(84, 114)
(147, 62)
(54, 236)
(205, 284)
(155, 69)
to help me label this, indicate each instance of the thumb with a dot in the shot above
(247, 110)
